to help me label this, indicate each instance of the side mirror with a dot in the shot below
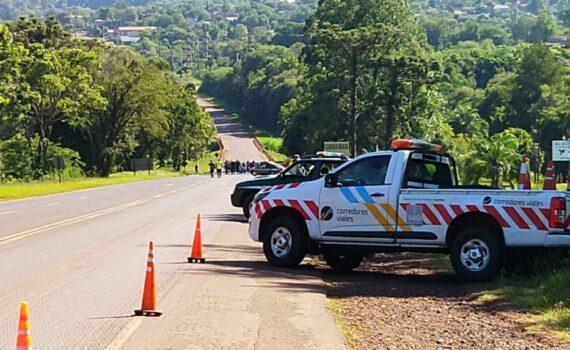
(330, 180)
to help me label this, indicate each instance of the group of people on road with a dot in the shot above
(230, 167)
(237, 167)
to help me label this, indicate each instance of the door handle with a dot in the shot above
(377, 195)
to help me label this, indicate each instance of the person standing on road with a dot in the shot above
(212, 167)
(196, 168)
(219, 166)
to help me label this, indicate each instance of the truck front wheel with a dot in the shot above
(284, 242)
(476, 254)
(343, 262)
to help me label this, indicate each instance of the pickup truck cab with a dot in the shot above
(405, 199)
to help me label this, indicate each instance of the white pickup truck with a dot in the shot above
(405, 199)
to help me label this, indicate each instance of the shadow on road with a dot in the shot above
(226, 218)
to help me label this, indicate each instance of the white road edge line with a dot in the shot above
(66, 222)
(157, 196)
(9, 212)
(124, 335)
(50, 204)
(173, 191)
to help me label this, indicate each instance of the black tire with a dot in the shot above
(245, 205)
(482, 243)
(343, 262)
(296, 245)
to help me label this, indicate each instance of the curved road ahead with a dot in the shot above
(237, 142)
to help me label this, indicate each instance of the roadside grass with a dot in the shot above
(545, 296)
(17, 190)
(273, 146)
(336, 307)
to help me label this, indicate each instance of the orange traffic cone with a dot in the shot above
(524, 176)
(549, 181)
(148, 307)
(24, 341)
(196, 255)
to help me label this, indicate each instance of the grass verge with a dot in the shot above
(335, 307)
(546, 297)
(273, 147)
(31, 189)
(19, 190)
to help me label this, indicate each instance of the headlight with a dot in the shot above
(259, 196)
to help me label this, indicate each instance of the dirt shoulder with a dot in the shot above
(397, 301)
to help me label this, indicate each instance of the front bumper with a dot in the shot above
(253, 229)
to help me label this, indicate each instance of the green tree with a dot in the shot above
(138, 93)
(54, 86)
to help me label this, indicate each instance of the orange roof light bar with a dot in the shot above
(417, 145)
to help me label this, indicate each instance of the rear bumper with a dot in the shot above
(557, 239)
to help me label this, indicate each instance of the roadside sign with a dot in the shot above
(560, 150)
(141, 164)
(337, 146)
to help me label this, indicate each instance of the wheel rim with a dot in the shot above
(475, 255)
(281, 242)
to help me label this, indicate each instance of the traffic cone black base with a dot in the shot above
(152, 313)
(196, 261)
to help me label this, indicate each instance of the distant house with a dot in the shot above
(557, 41)
(127, 35)
(228, 16)
(501, 9)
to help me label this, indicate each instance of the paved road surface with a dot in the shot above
(79, 259)
(83, 277)
(238, 143)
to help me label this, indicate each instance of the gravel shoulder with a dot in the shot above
(397, 301)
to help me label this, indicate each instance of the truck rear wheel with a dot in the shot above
(344, 262)
(476, 254)
(284, 242)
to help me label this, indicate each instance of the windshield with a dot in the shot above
(300, 169)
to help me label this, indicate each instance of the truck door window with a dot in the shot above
(369, 171)
(422, 173)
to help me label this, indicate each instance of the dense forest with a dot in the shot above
(94, 105)
(488, 80)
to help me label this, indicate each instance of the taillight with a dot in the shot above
(557, 212)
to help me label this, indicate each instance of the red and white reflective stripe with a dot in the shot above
(309, 210)
(524, 218)
(313, 207)
(443, 212)
(281, 187)
(430, 216)
(24, 332)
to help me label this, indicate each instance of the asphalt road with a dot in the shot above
(237, 142)
(79, 259)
